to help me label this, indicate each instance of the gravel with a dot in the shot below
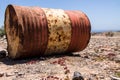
(98, 61)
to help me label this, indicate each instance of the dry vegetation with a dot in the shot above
(2, 32)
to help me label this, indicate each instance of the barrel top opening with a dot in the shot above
(10, 28)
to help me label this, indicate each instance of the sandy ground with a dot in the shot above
(99, 61)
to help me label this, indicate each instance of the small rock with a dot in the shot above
(42, 58)
(32, 62)
(20, 73)
(101, 77)
(86, 56)
(1, 48)
(1, 74)
(77, 76)
(9, 74)
(111, 56)
(16, 72)
(4, 37)
(89, 79)
(67, 78)
(114, 78)
(67, 71)
(117, 58)
(2, 54)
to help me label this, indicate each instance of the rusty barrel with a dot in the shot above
(35, 31)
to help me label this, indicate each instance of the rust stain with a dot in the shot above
(59, 33)
(80, 31)
(29, 31)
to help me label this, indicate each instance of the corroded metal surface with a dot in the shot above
(80, 30)
(34, 31)
(31, 26)
(59, 27)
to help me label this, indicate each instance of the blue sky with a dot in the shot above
(103, 14)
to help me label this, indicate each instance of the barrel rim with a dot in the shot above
(9, 8)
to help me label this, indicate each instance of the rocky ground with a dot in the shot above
(99, 61)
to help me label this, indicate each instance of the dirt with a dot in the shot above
(99, 61)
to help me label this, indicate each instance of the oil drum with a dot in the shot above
(35, 31)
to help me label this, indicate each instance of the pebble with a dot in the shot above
(101, 77)
(9, 74)
(2, 54)
(21, 73)
(1, 74)
(67, 78)
(117, 58)
(114, 78)
(77, 76)
(87, 57)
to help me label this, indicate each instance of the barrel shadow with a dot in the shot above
(9, 61)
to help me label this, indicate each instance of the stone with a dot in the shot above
(117, 58)
(67, 78)
(9, 74)
(77, 76)
(21, 73)
(114, 78)
(101, 77)
(4, 37)
(1, 74)
(2, 54)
